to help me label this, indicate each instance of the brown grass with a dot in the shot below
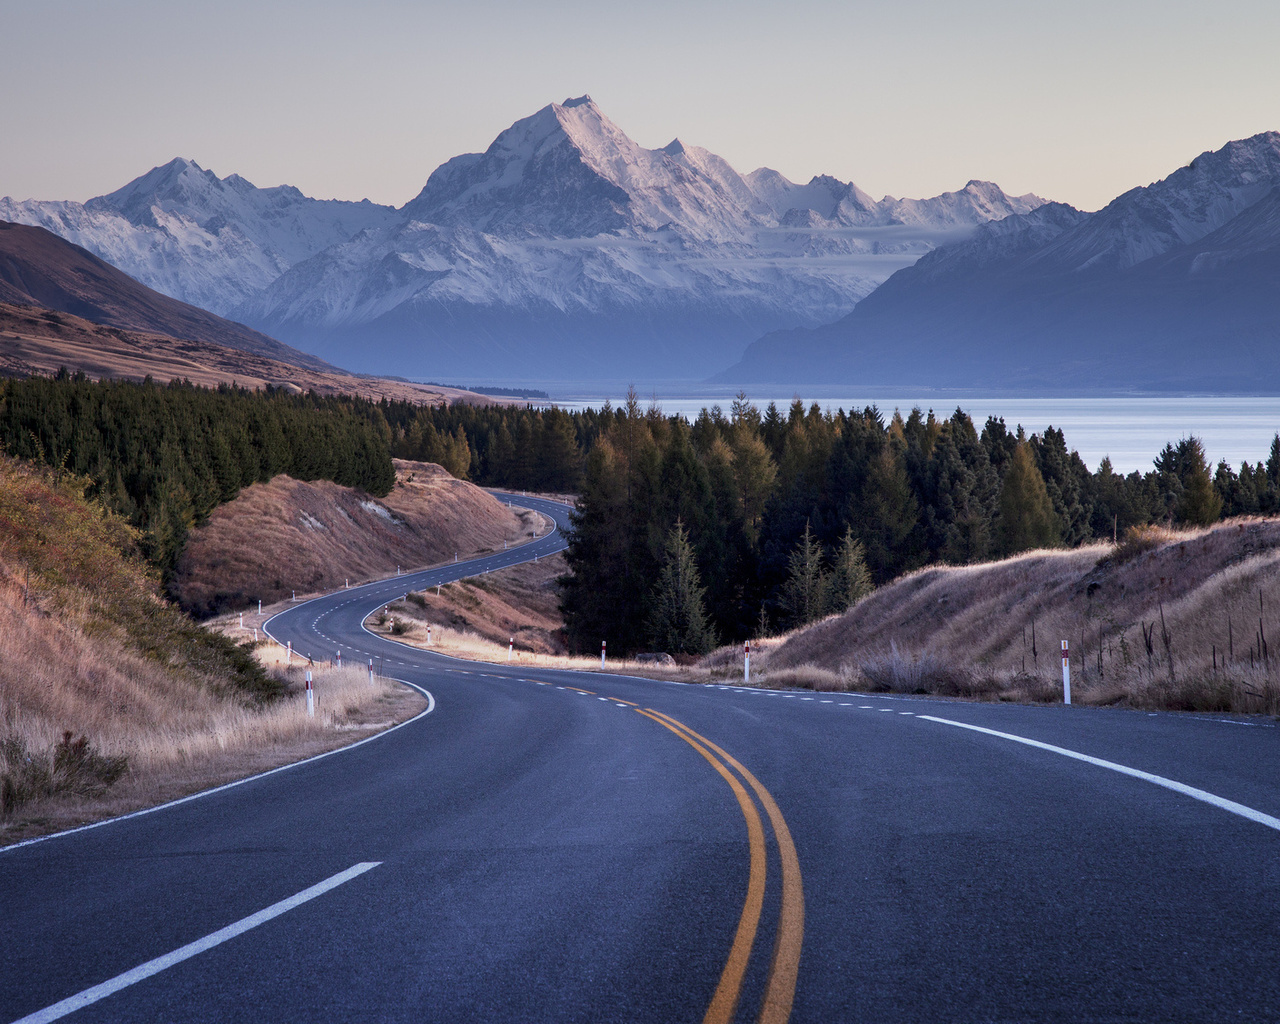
(97, 674)
(287, 535)
(33, 343)
(967, 631)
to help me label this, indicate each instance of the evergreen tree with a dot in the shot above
(851, 579)
(678, 622)
(1027, 517)
(1199, 504)
(806, 593)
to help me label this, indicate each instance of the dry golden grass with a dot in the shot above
(287, 536)
(31, 343)
(88, 649)
(968, 631)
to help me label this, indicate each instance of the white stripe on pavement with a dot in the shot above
(1157, 780)
(160, 963)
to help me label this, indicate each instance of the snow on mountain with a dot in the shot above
(199, 238)
(1169, 287)
(565, 239)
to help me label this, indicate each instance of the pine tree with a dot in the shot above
(1027, 518)
(807, 588)
(851, 579)
(1199, 504)
(678, 622)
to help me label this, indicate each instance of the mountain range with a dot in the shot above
(1170, 287)
(564, 251)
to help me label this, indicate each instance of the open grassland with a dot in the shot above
(287, 535)
(111, 699)
(40, 341)
(1173, 620)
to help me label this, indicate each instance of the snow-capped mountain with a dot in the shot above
(1170, 286)
(567, 249)
(205, 240)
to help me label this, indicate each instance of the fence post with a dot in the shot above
(1066, 673)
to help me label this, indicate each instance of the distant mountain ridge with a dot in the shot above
(37, 268)
(205, 240)
(564, 250)
(1173, 286)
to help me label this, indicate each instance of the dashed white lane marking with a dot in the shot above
(865, 707)
(890, 710)
(160, 963)
(912, 713)
(1157, 780)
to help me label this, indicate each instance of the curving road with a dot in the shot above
(553, 846)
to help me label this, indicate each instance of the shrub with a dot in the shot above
(399, 627)
(69, 766)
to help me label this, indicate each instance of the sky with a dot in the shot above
(1075, 101)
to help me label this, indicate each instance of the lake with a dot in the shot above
(1131, 430)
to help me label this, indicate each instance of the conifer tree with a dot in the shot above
(806, 592)
(1027, 518)
(1199, 504)
(851, 579)
(678, 622)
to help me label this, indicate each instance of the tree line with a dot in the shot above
(735, 525)
(164, 456)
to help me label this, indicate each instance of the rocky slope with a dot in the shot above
(1169, 287)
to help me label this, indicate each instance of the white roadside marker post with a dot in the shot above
(428, 636)
(289, 652)
(602, 654)
(311, 700)
(339, 658)
(255, 634)
(370, 671)
(746, 662)
(242, 620)
(259, 606)
(295, 595)
(511, 648)
(1066, 673)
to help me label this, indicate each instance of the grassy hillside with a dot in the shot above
(1181, 620)
(288, 535)
(110, 698)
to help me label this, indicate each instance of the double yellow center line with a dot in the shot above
(780, 987)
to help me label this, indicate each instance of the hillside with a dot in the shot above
(1181, 620)
(287, 535)
(37, 268)
(110, 698)
(1170, 287)
(43, 341)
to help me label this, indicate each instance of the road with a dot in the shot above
(553, 846)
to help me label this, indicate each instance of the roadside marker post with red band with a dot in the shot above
(602, 653)
(746, 661)
(1066, 673)
(311, 699)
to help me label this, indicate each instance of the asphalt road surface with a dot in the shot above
(553, 846)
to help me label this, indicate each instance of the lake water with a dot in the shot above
(1131, 430)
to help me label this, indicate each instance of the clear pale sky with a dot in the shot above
(1076, 101)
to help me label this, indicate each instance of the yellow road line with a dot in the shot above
(619, 700)
(780, 989)
(725, 1000)
(592, 692)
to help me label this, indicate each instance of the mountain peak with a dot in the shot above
(581, 101)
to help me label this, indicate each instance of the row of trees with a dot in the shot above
(165, 456)
(787, 517)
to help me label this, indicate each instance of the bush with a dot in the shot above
(70, 766)
(399, 627)
(417, 599)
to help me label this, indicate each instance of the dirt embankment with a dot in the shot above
(1178, 620)
(111, 699)
(519, 605)
(286, 536)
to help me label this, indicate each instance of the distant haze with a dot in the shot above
(1076, 102)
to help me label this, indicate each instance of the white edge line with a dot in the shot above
(431, 706)
(1158, 780)
(160, 963)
